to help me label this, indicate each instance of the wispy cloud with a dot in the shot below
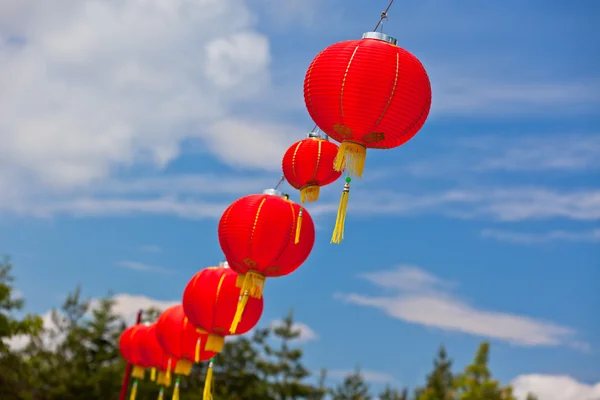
(591, 236)
(151, 248)
(368, 375)
(421, 298)
(484, 155)
(307, 334)
(502, 204)
(143, 267)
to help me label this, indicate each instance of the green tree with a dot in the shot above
(393, 394)
(439, 384)
(476, 382)
(353, 387)
(13, 367)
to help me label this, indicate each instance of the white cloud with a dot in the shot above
(143, 267)
(550, 387)
(91, 87)
(126, 306)
(590, 236)
(307, 334)
(421, 298)
(369, 376)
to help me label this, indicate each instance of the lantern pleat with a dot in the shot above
(308, 164)
(369, 94)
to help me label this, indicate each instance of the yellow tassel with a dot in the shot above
(161, 393)
(254, 284)
(198, 350)
(163, 378)
(207, 395)
(214, 343)
(176, 390)
(309, 194)
(340, 222)
(138, 372)
(239, 281)
(183, 367)
(239, 312)
(168, 374)
(133, 394)
(152, 374)
(298, 227)
(351, 158)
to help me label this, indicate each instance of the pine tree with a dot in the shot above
(289, 373)
(352, 388)
(476, 382)
(393, 394)
(439, 381)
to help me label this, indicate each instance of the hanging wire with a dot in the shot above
(383, 16)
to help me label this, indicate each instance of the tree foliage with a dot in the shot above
(77, 357)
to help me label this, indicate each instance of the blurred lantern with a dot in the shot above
(181, 340)
(308, 165)
(152, 354)
(210, 302)
(130, 347)
(366, 93)
(263, 236)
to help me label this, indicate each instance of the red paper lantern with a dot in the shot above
(367, 93)
(130, 346)
(210, 302)
(181, 340)
(308, 165)
(153, 355)
(265, 235)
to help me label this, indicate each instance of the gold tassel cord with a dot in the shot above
(214, 343)
(161, 393)
(239, 312)
(176, 390)
(298, 227)
(152, 374)
(198, 349)
(168, 375)
(310, 194)
(207, 395)
(351, 158)
(340, 222)
(133, 394)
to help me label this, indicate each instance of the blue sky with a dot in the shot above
(126, 130)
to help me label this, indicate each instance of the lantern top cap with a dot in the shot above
(317, 135)
(380, 36)
(273, 192)
(224, 264)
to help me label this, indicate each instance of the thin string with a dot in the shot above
(383, 16)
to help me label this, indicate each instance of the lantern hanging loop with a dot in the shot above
(383, 16)
(281, 180)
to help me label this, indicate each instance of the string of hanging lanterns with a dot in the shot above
(364, 94)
